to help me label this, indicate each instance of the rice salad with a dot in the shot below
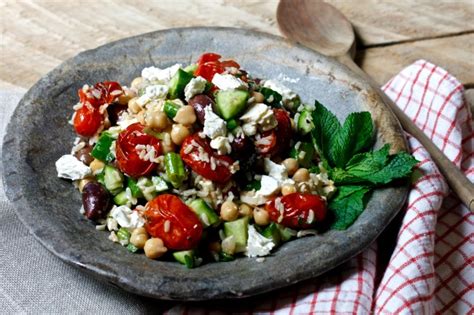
(197, 163)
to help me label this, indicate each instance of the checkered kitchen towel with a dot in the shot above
(431, 267)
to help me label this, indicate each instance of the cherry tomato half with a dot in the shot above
(208, 57)
(199, 159)
(209, 64)
(101, 93)
(87, 121)
(278, 139)
(297, 210)
(170, 219)
(128, 156)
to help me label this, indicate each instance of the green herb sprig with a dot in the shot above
(355, 171)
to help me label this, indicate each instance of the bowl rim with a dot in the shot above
(16, 194)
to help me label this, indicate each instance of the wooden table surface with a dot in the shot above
(38, 35)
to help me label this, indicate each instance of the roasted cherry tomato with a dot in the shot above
(297, 210)
(128, 156)
(209, 64)
(277, 140)
(87, 121)
(170, 219)
(101, 93)
(206, 57)
(197, 153)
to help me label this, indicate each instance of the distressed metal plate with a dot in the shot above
(39, 134)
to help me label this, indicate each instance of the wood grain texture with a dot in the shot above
(381, 22)
(38, 35)
(455, 54)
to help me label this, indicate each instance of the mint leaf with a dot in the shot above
(374, 168)
(338, 144)
(326, 126)
(400, 166)
(355, 135)
(347, 205)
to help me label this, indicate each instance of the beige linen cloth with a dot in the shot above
(34, 281)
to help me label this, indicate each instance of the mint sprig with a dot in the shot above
(355, 171)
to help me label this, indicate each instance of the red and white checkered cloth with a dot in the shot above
(430, 266)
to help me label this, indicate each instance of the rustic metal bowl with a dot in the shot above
(39, 134)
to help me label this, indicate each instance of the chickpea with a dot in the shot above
(156, 120)
(96, 166)
(139, 230)
(185, 115)
(245, 210)
(229, 211)
(291, 165)
(301, 175)
(179, 133)
(136, 83)
(133, 105)
(154, 248)
(166, 144)
(258, 97)
(288, 189)
(83, 182)
(139, 240)
(126, 96)
(261, 216)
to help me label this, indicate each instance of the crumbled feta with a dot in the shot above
(214, 126)
(257, 244)
(194, 87)
(275, 170)
(269, 186)
(162, 75)
(222, 145)
(287, 95)
(69, 167)
(228, 82)
(127, 218)
(258, 116)
(153, 92)
(112, 224)
(252, 198)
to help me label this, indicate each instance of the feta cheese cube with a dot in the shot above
(214, 126)
(162, 75)
(153, 92)
(69, 167)
(126, 217)
(257, 244)
(258, 116)
(194, 87)
(222, 145)
(275, 170)
(228, 82)
(287, 95)
(269, 186)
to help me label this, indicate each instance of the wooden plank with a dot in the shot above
(379, 22)
(38, 35)
(455, 54)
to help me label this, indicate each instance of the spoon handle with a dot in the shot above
(458, 182)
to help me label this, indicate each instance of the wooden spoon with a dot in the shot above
(321, 27)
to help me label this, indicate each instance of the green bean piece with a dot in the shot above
(123, 234)
(132, 248)
(174, 169)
